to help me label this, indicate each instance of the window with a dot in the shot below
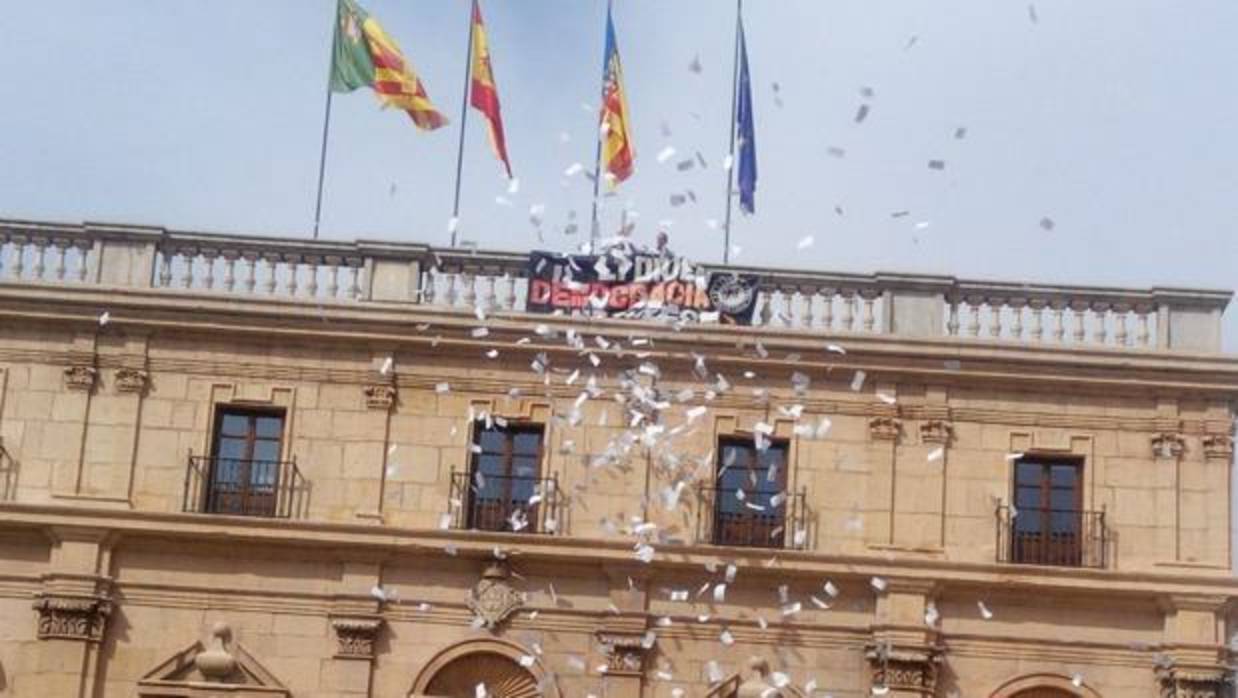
(750, 501)
(1047, 518)
(505, 487)
(245, 468)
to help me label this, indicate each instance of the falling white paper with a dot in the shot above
(665, 154)
(857, 381)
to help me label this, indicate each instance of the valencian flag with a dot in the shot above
(745, 131)
(617, 152)
(484, 93)
(366, 57)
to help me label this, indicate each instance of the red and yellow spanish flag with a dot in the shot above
(618, 155)
(484, 95)
(365, 56)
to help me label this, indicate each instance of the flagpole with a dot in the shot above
(326, 124)
(464, 115)
(597, 157)
(730, 171)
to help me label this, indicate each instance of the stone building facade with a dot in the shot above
(256, 467)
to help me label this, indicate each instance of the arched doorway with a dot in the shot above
(1045, 686)
(504, 668)
(1043, 693)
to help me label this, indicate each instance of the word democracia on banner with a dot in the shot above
(643, 286)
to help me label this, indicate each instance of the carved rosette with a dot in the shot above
(355, 637)
(1219, 446)
(625, 653)
(131, 380)
(936, 431)
(884, 428)
(1168, 445)
(379, 396)
(72, 617)
(1204, 683)
(80, 378)
(907, 670)
(493, 599)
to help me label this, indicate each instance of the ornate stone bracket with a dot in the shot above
(379, 396)
(1178, 682)
(910, 670)
(625, 653)
(355, 636)
(80, 378)
(1219, 446)
(1168, 445)
(72, 617)
(493, 599)
(131, 380)
(884, 428)
(936, 431)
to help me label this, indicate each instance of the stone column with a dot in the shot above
(356, 626)
(1194, 665)
(624, 638)
(884, 430)
(904, 654)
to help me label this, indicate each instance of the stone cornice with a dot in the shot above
(1103, 368)
(133, 526)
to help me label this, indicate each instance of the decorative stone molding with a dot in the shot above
(1178, 682)
(80, 378)
(625, 653)
(72, 617)
(355, 636)
(131, 380)
(493, 599)
(911, 670)
(936, 431)
(884, 428)
(1168, 445)
(1219, 446)
(218, 668)
(379, 396)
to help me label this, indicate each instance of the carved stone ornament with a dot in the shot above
(884, 428)
(131, 380)
(80, 378)
(493, 599)
(72, 617)
(379, 396)
(758, 683)
(936, 431)
(625, 653)
(1192, 683)
(911, 670)
(1219, 446)
(1168, 445)
(355, 637)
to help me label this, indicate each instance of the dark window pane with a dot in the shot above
(270, 427)
(490, 465)
(1064, 521)
(1026, 498)
(1028, 520)
(525, 468)
(493, 441)
(232, 448)
(1028, 473)
(234, 425)
(266, 451)
(528, 444)
(1064, 475)
(1062, 499)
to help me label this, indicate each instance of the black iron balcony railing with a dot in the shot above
(1052, 537)
(240, 487)
(511, 503)
(727, 517)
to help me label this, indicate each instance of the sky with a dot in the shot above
(1113, 118)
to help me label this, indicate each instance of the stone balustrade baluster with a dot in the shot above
(165, 268)
(451, 294)
(1016, 305)
(189, 256)
(429, 280)
(354, 283)
(40, 252)
(1038, 319)
(209, 255)
(491, 298)
(4, 242)
(809, 296)
(61, 249)
(251, 270)
(470, 289)
(509, 300)
(827, 309)
(83, 251)
(973, 306)
(766, 313)
(777, 311)
(1143, 336)
(19, 256)
(952, 322)
(272, 272)
(1120, 313)
(230, 257)
(995, 316)
(311, 279)
(1079, 308)
(1100, 318)
(1059, 320)
(848, 319)
(870, 319)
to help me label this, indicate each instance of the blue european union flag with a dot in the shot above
(746, 132)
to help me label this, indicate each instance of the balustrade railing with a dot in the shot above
(919, 306)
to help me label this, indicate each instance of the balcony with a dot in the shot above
(239, 487)
(505, 503)
(725, 516)
(1052, 537)
(820, 302)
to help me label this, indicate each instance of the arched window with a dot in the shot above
(1045, 686)
(456, 672)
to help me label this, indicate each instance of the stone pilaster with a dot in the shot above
(131, 380)
(355, 636)
(905, 672)
(72, 616)
(80, 378)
